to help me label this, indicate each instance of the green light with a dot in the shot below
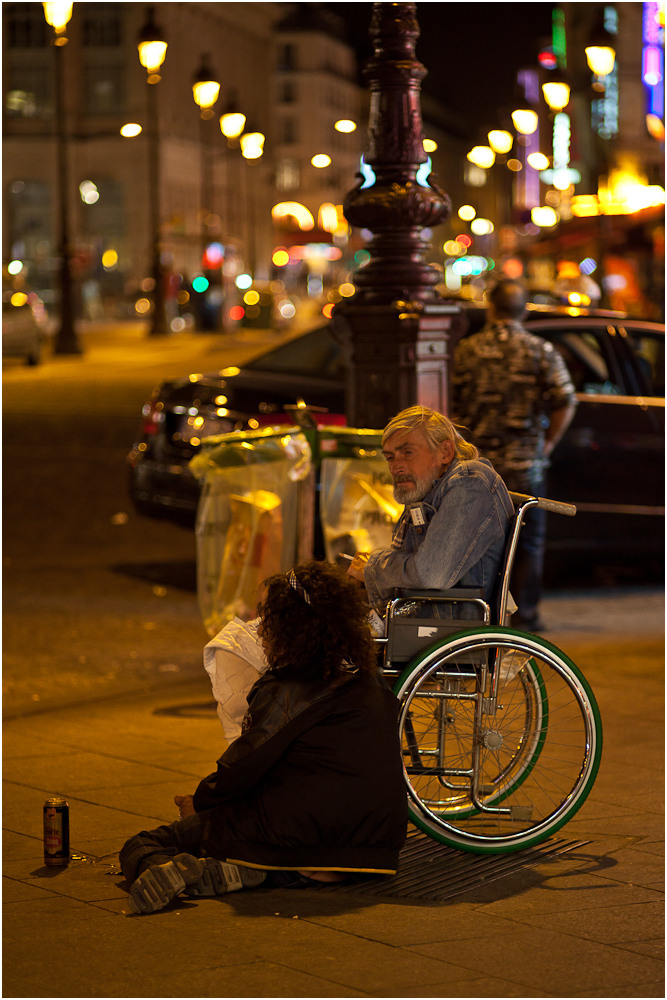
(558, 37)
(200, 284)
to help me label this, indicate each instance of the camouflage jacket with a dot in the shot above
(506, 382)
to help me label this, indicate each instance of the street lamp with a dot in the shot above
(482, 156)
(600, 54)
(205, 90)
(252, 145)
(152, 48)
(500, 140)
(232, 121)
(525, 121)
(252, 148)
(57, 15)
(556, 92)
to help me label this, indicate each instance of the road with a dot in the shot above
(97, 599)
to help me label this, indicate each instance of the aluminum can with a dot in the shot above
(56, 831)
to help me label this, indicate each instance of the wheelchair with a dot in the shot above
(500, 732)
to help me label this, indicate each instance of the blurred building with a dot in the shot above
(105, 88)
(320, 116)
(581, 185)
(287, 67)
(291, 74)
(608, 142)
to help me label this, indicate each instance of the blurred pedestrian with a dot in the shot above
(515, 398)
(313, 789)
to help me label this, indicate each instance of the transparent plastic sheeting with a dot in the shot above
(258, 508)
(357, 507)
(250, 518)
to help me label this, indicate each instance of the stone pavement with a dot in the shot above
(589, 923)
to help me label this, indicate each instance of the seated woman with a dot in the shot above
(313, 789)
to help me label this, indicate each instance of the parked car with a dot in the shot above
(23, 322)
(610, 463)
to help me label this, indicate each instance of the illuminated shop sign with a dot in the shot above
(653, 58)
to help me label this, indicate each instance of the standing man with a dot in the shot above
(452, 531)
(513, 394)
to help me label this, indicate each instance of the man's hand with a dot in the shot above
(185, 805)
(356, 567)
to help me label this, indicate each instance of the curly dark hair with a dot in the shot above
(319, 628)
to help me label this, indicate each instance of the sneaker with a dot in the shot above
(157, 886)
(220, 877)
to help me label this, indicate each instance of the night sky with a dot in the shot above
(472, 51)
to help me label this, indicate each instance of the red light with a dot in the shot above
(236, 312)
(213, 256)
(547, 58)
(464, 240)
(327, 310)
(152, 418)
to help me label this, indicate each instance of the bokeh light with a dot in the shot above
(130, 130)
(280, 257)
(467, 212)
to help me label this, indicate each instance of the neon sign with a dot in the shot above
(653, 58)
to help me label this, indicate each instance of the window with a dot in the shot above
(104, 219)
(29, 68)
(26, 26)
(287, 57)
(104, 93)
(288, 92)
(287, 175)
(30, 90)
(103, 59)
(649, 352)
(288, 131)
(585, 359)
(102, 26)
(30, 208)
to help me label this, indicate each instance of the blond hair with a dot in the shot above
(437, 429)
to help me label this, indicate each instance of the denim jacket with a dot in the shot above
(465, 513)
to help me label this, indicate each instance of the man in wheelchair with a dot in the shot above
(457, 510)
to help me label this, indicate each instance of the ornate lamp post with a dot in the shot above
(396, 328)
(57, 15)
(152, 48)
(252, 150)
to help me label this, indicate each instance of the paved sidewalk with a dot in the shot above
(588, 924)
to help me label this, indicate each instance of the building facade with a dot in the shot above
(109, 193)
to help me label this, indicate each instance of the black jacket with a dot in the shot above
(315, 781)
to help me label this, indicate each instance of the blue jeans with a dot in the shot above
(528, 569)
(156, 847)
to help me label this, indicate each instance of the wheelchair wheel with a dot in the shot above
(494, 775)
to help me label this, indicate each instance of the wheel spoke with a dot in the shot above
(497, 774)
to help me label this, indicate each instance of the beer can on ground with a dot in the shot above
(56, 831)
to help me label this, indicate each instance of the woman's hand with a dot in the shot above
(185, 804)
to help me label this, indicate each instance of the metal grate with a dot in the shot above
(431, 871)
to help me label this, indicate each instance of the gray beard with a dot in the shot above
(410, 494)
